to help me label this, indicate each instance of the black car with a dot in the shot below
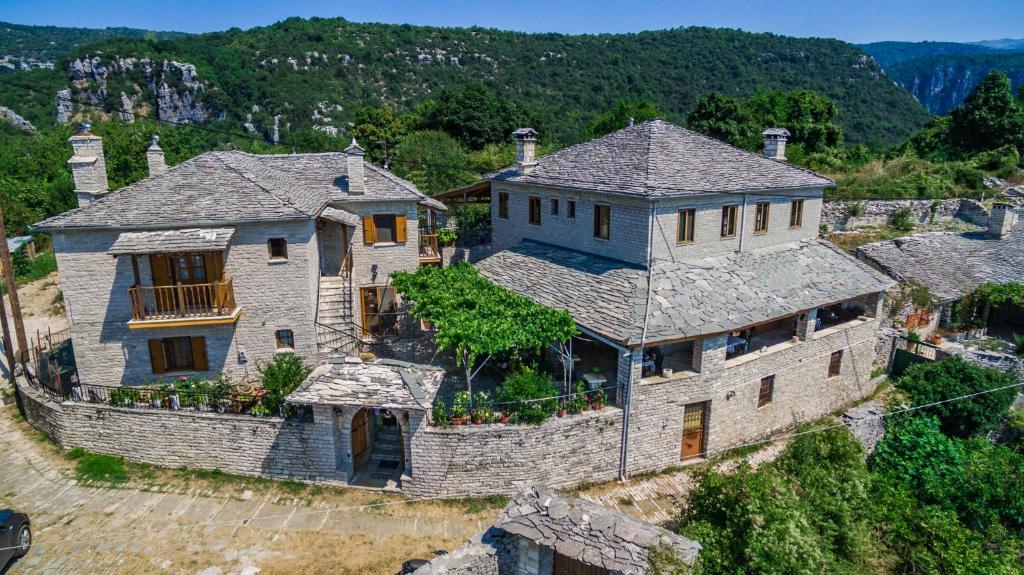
(15, 536)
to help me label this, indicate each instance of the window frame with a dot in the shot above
(761, 219)
(378, 296)
(534, 217)
(766, 391)
(835, 364)
(284, 339)
(570, 209)
(730, 216)
(377, 218)
(503, 205)
(554, 206)
(796, 214)
(603, 222)
(164, 354)
(685, 233)
(283, 244)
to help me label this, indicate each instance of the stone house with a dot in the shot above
(951, 264)
(708, 306)
(217, 264)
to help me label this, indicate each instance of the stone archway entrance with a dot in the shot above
(377, 448)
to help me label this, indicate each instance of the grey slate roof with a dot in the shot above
(229, 187)
(948, 263)
(170, 241)
(589, 533)
(383, 383)
(14, 244)
(657, 159)
(340, 216)
(689, 297)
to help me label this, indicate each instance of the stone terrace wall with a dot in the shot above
(505, 459)
(836, 213)
(238, 444)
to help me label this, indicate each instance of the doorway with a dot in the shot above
(360, 439)
(694, 430)
(568, 566)
(379, 306)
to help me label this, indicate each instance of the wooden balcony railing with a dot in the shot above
(429, 249)
(183, 301)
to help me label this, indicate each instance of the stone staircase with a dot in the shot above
(387, 445)
(334, 311)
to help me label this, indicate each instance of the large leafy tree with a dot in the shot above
(474, 115)
(722, 117)
(379, 130)
(434, 161)
(618, 117)
(476, 318)
(990, 118)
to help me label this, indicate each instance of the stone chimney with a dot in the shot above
(354, 166)
(88, 166)
(1001, 220)
(526, 149)
(155, 157)
(775, 143)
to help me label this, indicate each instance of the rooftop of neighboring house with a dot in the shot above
(385, 383)
(233, 187)
(694, 297)
(950, 264)
(659, 159)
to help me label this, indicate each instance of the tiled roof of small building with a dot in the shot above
(383, 383)
(948, 263)
(230, 187)
(588, 532)
(171, 241)
(689, 297)
(657, 158)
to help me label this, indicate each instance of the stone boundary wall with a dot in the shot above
(836, 213)
(505, 459)
(237, 444)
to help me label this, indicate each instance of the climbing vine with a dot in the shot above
(972, 310)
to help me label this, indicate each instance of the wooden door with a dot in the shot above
(569, 566)
(360, 439)
(693, 431)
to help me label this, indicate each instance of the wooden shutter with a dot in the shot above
(199, 362)
(212, 261)
(156, 355)
(369, 230)
(401, 233)
(159, 269)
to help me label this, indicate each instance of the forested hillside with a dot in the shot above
(318, 72)
(46, 43)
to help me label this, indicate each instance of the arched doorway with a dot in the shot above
(377, 447)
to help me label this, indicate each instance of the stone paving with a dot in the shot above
(172, 528)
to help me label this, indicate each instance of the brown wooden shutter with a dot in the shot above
(159, 269)
(369, 230)
(212, 261)
(199, 362)
(401, 233)
(156, 355)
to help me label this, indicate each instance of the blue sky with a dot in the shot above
(853, 21)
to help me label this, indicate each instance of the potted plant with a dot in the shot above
(577, 401)
(562, 409)
(481, 408)
(460, 407)
(440, 414)
(505, 416)
(597, 400)
(446, 236)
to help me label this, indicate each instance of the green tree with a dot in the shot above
(434, 161)
(618, 117)
(380, 130)
(990, 117)
(721, 117)
(474, 115)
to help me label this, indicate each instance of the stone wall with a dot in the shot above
(836, 213)
(505, 459)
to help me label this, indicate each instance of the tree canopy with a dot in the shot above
(618, 117)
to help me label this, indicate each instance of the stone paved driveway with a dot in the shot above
(175, 528)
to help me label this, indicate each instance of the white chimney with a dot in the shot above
(155, 157)
(526, 149)
(775, 143)
(88, 166)
(354, 167)
(1001, 220)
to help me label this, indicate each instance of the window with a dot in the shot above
(602, 221)
(380, 310)
(285, 339)
(761, 217)
(796, 213)
(178, 354)
(767, 391)
(570, 210)
(684, 227)
(278, 248)
(835, 363)
(384, 228)
(729, 221)
(554, 206)
(503, 205)
(534, 210)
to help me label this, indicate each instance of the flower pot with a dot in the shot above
(504, 418)
(598, 406)
(561, 412)
(426, 325)
(456, 421)
(478, 420)
(666, 372)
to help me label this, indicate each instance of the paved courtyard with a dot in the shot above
(165, 524)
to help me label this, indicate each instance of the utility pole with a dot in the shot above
(8, 344)
(12, 291)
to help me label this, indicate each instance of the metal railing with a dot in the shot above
(182, 301)
(169, 399)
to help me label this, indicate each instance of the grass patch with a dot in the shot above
(292, 487)
(474, 505)
(627, 501)
(850, 241)
(98, 468)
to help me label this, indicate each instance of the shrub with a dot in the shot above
(901, 221)
(520, 394)
(460, 404)
(280, 377)
(439, 413)
(928, 383)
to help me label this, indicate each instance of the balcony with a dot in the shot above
(430, 251)
(183, 304)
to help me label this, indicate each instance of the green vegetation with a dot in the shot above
(972, 310)
(520, 392)
(279, 378)
(44, 43)
(97, 468)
